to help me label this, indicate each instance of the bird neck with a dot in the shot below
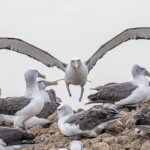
(141, 80)
(31, 89)
(45, 95)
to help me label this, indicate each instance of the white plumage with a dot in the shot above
(36, 104)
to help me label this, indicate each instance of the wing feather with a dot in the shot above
(89, 119)
(23, 47)
(129, 34)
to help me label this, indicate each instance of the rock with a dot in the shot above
(87, 143)
(116, 147)
(145, 145)
(136, 144)
(123, 140)
(100, 146)
(109, 140)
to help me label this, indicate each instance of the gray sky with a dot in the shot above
(69, 28)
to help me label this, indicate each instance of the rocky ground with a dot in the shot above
(116, 137)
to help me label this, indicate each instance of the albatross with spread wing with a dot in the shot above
(76, 71)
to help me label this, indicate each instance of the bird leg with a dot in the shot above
(67, 85)
(82, 91)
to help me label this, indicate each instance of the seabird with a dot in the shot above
(142, 119)
(48, 94)
(10, 105)
(127, 93)
(37, 101)
(3, 146)
(13, 136)
(76, 71)
(84, 123)
(76, 145)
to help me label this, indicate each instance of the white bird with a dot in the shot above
(84, 123)
(36, 104)
(48, 94)
(76, 145)
(142, 92)
(125, 93)
(10, 105)
(76, 71)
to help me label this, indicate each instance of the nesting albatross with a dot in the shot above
(10, 105)
(127, 93)
(142, 119)
(76, 71)
(13, 136)
(84, 123)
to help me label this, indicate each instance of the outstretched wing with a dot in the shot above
(129, 34)
(23, 47)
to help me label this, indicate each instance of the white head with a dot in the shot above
(75, 63)
(64, 110)
(138, 70)
(76, 145)
(32, 75)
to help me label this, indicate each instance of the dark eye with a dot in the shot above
(142, 68)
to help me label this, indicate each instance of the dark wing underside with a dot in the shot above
(112, 93)
(23, 47)
(89, 119)
(13, 136)
(129, 34)
(10, 106)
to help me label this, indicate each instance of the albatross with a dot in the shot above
(84, 123)
(10, 106)
(76, 145)
(13, 136)
(48, 95)
(126, 93)
(37, 101)
(142, 119)
(76, 71)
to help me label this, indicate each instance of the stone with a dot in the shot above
(100, 146)
(145, 145)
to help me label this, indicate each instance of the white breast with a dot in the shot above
(68, 129)
(76, 77)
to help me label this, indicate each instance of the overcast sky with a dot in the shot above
(69, 28)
